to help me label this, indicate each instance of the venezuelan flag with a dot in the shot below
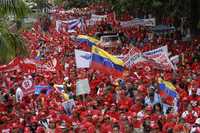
(106, 62)
(167, 90)
(87, 39)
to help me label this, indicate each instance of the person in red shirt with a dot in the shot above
(138, 105)
(115, 128)
(170, 122)
(106, 125)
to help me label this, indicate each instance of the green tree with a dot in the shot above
(58, 2)
(11, 43)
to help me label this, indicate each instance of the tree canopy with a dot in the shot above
(11, 44)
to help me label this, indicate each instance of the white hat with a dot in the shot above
(66, 78)
(197, 121)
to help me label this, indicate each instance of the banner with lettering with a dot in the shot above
(95, 18)
(142, 22)
(160, 56)
(134, 56)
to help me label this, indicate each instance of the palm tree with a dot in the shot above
(11, 43)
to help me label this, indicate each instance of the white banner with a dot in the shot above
(82, 87)
(175, 59)
(72, 24)
(69, 106)
(160, 56)
(135, 22)
(95, 18)
(133, 57)
(83, 59)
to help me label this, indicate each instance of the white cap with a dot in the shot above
(197, 121)
(29, 76)
(66, 78)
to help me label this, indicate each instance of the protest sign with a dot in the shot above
(82, 87)
(83, 59)
(160, 56)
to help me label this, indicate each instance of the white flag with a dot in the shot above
(19, 94)
(82, 87)
(83, 59)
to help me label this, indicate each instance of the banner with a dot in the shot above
(27, 86)
(49, 66)
(142, 22)
(58, 25)
(69, 106)
(175, 59)
(82, 87)
(71, 24)
(95, 18)
(83, 59)
(12, 66)
(30, 65)
(40, 88)
(160, 56)
(133, 57)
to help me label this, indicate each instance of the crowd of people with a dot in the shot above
(131, 104)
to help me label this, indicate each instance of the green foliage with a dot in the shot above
(41, 4)
(11, 44)
(174, 8)
(76, 3)
(13, 7)
(58, 2)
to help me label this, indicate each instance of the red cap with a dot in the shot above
(149, 108)
(60, 108)
(27, 130)
(171, 116)
(42, 114)
(106, 103)
(4, 118)
(185, 99)
(147, 117)
(123, 106)
(178, 128)
(190, 118)
(95, 117)
(154, 125)
(40, 130)
(34, 119)
(89, 113)
(15, 125)
(133, 114)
